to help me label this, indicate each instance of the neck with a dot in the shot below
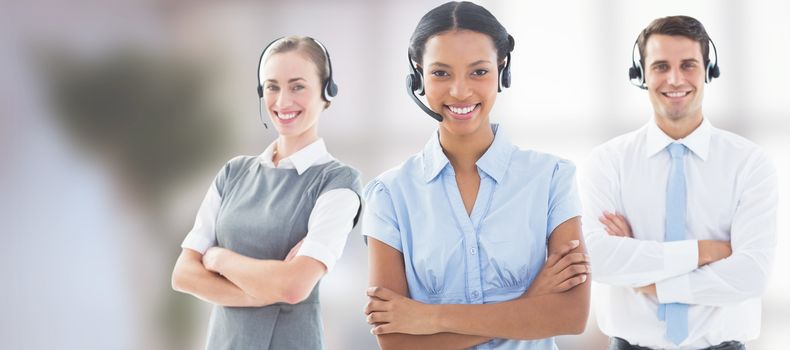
(679, 128)
(464, 151)
(288, 145)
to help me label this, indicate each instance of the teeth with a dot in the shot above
(675, 94)
(287, 115)
(464, 110)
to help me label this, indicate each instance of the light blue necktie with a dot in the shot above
(676, 314)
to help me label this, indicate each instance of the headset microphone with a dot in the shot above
(415, 84)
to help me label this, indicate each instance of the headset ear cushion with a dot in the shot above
(416, 83)
(505, 77)
(714, 72)
(260, 91)
(330, 90)
(633, 73)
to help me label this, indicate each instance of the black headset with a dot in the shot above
(329, 90)
(637, 74)
(415, 84)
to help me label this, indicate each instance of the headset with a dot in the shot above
(415, 83)
(637, 74)
(329, 90)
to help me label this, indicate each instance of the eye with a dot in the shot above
(297, 87)
(662, 67)
(480, 72)
(440, 73)
(272, 87)
(689, 65)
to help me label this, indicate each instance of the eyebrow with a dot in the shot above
(682, 61)
(289, 81)
(444, 65)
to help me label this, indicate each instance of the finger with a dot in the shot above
(572, 258)
(562, 251)
(381, 293)
(376, 305)
(573, 270)
(385, 328)
(571, 282)
(611, 227)
(621, 223)
(378, 317)
(613, 232)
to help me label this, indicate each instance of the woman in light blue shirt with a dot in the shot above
(473, 242)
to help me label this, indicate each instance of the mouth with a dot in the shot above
(462, 112)
(287, 117)
(675, 94)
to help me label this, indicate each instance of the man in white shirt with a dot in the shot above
(679, 217)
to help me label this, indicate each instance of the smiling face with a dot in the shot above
(675, 77)
(292, 94)
(460, 70)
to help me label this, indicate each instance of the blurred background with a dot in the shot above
(115, 116)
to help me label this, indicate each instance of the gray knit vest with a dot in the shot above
(264, 213)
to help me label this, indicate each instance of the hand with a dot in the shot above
(294, 250)
(211, 258)
(712, 251)
(562, 271)
(615, 224)
(390, 312)
(649, 289)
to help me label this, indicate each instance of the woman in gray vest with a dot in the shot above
(272, 225)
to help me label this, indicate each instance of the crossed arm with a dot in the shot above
(556, 303)
(226, 278)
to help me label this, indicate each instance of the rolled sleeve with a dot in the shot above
(328, 226)
(203, 234)
(564, 202)
(379, 219)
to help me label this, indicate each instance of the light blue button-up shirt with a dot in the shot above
(489, 256)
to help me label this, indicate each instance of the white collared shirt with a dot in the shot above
(731, 196)
(328, 226)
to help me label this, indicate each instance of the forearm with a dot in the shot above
(270, 281)
(742, 276)
(192, 278)
(524, 318)
(629, 262)
(439, 341)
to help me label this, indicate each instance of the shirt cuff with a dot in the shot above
(318, 252)
(197, 243)
(674, 290)
(681, 256)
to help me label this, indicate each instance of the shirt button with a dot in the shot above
(473, 251)
(475, 294)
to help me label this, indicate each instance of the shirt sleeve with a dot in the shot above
(624, 261)
(202, 236)
(379, 218)
(329, 224)
(744, 274)
(564, 200)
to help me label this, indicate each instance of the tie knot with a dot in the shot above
(677, 150)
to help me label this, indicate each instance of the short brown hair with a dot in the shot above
(686, 26)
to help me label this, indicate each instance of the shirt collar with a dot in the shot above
(494, 161)
(303, 159)
(698, 141)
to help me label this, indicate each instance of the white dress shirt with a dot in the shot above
(731, 196)
(328, 226)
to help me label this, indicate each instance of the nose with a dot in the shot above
(460, 89)
(675, 76)
(283, 99)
